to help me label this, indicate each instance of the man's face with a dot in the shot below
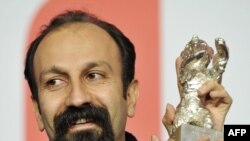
(78, 73)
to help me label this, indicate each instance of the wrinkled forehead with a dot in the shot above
(77, 41)
(86, 29)
(77, 32)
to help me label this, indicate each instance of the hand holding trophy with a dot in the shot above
(192, 117)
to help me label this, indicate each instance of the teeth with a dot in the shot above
(81, 121)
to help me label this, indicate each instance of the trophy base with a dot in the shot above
(189, 132)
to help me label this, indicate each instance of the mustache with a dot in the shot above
(87, 112)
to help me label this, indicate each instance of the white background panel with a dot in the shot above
(15, 16)
(229, 19)
(180, 19)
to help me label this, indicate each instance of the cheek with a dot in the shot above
(118, 115)
(112, 98)
(117, 106)
(50, 106)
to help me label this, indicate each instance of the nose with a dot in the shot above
(78, 95)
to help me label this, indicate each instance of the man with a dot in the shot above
(80, 70)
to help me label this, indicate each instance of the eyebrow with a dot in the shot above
(53, 69)
(98, 63)
(60, 70)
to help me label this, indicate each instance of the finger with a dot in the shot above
(208, 86)
(204, 92)
(154, 138)
(169, 117)
(222, 94)
(214, 91)
(178, 66)
(221, 97)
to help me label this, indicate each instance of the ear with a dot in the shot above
(132, 95)
(38, 115)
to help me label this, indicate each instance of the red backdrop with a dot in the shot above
(138, 19)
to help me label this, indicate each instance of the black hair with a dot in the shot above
(126, 47)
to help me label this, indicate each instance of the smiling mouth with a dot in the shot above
(82, 121)
(84, 124)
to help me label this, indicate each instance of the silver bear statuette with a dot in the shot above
(193, 73)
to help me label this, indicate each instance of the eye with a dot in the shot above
(94, 76)
(54, 84)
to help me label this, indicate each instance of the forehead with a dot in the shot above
(85, 32)
(77, 36)
(78, 42)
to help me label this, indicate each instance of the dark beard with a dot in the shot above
(96, 115)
